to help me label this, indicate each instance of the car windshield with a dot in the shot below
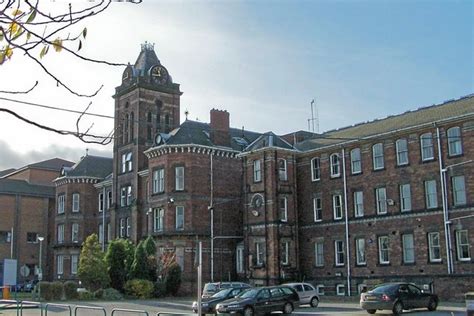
(385, 288)
(248, 293)
(222, 293)
(209, 287)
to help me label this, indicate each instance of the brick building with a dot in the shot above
(391, 199)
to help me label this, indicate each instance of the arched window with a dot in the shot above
(335, 168)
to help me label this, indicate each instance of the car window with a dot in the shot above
(384, 288)
(414, 289)
(222, 293)
(287, 290)
(308, 287)
(235, 292)
(225, 285)
(298, 287)
(249, 293)
(264, 294)
(210, 287)
(276, 292)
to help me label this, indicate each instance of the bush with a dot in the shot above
(70, 290)
(86, 296)
(45, 288)
(173, 279)
(99, 294)
(160, 289)
(139, 288)
(112, 294)
(57, 289)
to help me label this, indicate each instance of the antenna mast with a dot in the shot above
(314, 118)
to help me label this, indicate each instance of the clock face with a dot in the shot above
(158, 139)
(159, 74)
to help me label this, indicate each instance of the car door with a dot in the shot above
(262, 302)
(309, 292)
(277, 299)
(300, 290)
(404, 296)
(416, 297)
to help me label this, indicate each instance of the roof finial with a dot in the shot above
(148, 46)
(186, 113)
(87, 152)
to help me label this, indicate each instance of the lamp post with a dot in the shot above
(40, 269)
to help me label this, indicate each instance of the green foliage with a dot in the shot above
(139, 288)
(57, 289)
(139, 268)
(173, 279)
(111, 294)
(45, 288)
(92, 268)
(70, 290)
(130, 253)
(150, 246)
(86, 296)
(116, 258)
(99, 294)
(160, 289)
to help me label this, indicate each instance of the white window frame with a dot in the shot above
(426, 147)
(381, 200)
(74, 264)
(378, 156)
(129, 195)
(335, 164)
(60, 264)
(179, 178)
(129, 226)
(285, 257)
(122, 227)
(260, 253)
(320, 289)
(129, 161)
(402, 151)
(109, 199)
(408, 246)
(405, 197)
(75, 232)
(239, 258)
(434, 247)
(339, 253)
(341, 290)
(358, 203)
(76, 198)
(454, 141)
(100, 234)
(158, 181)
(101, 202)
(60, 233)
(337, 206)
(179, 222)
(317, 209)
(109, 232)
(431, 194)
(356, 161)
(316, 169)
(384, 249)
(319, 253)
(282, 169)
(158, 219)
(123, 196)
(257, 170)
(360, 251)
(283, 208)
(124, 162)
(459, 190)
(462, 243)
(61, 203)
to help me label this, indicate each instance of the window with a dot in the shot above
(260, 253)
(381, 200)
(149, 120)
(75, 232)
(179, 178)
(122, 227)
(179, 217)
(337, 206)
(31, 238)
(285, 252)
(5, 237)
(377, 156)
(132, 119)
(60, 233)
(320, 289)
(383, 250)
(408, 248)
(427, 151)
(360, 251)
(74, 264)
(75, 202)
(459, 190)
(335, 170)
(159, 181)
(101, 233)
(240, 259)
(257, 171)
(60, 264)
(101, 202)
(402, 151)
(123, 196)
(405, 198)
(61, 202)
(317, 209)
(358, 203)
(356, 164)
(462, 245)
(319, 253)
(454, 141)
(129, 227)
(434, 247)
(282, 170)
(158, 219)
(129, 195)
(315, 169)
(283, 209)
(127, 162)
(109, 232)
(339, 252)
(109, 199)
(431, 196)
(341, 290)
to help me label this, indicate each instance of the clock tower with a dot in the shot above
(147, 103)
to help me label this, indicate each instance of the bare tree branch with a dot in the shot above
(21, 92)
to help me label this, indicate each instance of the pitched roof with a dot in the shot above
(146, 59)
(91, 166)
(51, 164)
(12, 186)
(424, 115)
(268, 139)
(6, 171)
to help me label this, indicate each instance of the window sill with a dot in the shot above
(379, 169)
(455, 155)
(427, 160)
(402, 165)
(383, 264)
(437, 262)
(356, 173)
(338, 176)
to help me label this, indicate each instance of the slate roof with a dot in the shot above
(11, 186)
(91, 166)
(51, 164)
(268, 139)
(146, 59)
(425, 115)
(7, 171)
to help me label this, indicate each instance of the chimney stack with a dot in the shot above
(220, 134)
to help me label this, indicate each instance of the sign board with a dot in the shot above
(9, 271)
(24, 271)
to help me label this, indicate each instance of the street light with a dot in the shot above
(40, 270)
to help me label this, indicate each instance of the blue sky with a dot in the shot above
(263, 61)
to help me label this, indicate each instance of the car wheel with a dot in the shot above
(314, 302)
(432, 305)
(248, 311)
(371, 311)
(397, 308)
(287, 308)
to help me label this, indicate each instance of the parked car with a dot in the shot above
(306, 292)
(30, 285)
(397, 297)
(208, 304)
(261, 300)
(214, 287)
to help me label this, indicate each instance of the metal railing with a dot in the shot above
(96, 308)
(63, 306)
(128, 311)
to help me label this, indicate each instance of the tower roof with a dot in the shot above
(146, 59)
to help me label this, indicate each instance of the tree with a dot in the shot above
(92, 268)
(173, 279)
(115, 259)
(139, 268)
(150, 246)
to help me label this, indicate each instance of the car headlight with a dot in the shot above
(234, 306)
(204, 304)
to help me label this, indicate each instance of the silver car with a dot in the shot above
(306, 292)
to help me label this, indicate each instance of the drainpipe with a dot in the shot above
(346, 223)
(211, 207)
(442, 176)
(103, 218)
